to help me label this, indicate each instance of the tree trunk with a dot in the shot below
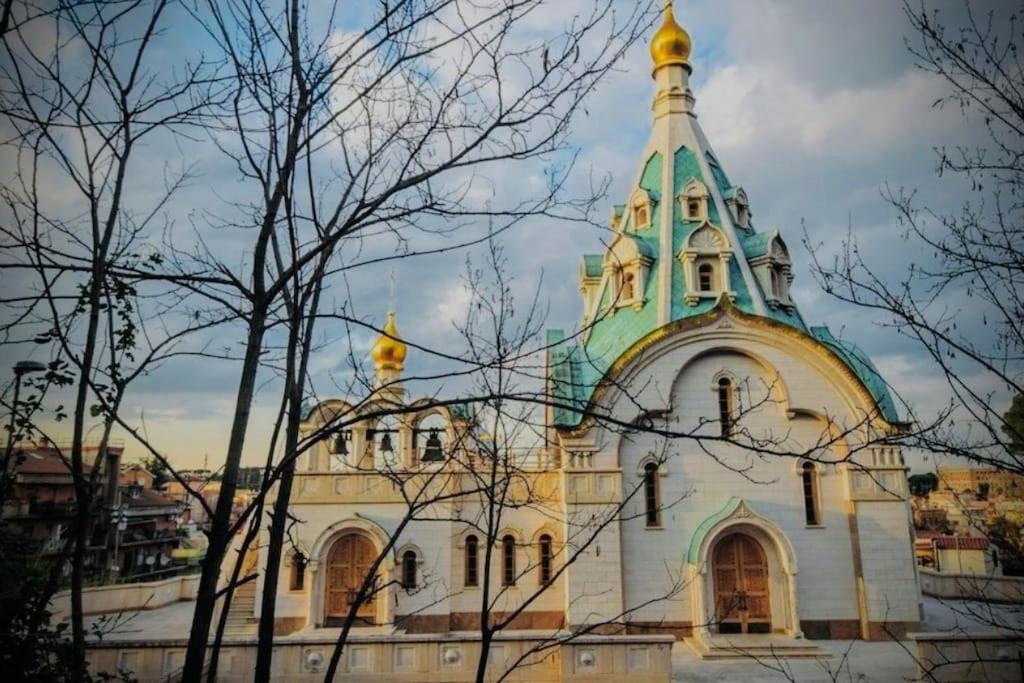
(220, 526)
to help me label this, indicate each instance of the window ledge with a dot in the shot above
(814, 526)
(658, 527)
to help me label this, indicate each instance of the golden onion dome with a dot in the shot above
(671, 44)
(389, 351)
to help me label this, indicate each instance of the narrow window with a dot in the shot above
(628, 289)
(508, 561)
(693, 208)
(545, 560)
(472, 573)
(652, 507)
(705, 274)
(725, 405)
(409, 570)
(641, 217)
(810, 494)
(298, 575)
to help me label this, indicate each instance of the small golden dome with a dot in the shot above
(671, 44)
(389, 351)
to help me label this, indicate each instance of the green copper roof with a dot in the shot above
(577, 368)
(865, 370)
(593, 265)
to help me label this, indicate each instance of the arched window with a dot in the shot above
(409, 570)
(508, 561)
(472, 562)
(640, 216)
(705, 277)
(545, 560)
(297, 580)
(725, 405)
(810, 484)
(652, 507)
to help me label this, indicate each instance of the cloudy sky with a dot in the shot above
(812, 106)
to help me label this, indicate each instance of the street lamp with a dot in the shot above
(21, 368)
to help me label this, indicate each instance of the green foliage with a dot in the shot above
(161, 473)
(923, 484)
(1007, 536)
(32, 649)
(1014, 426)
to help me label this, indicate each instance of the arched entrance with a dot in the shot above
(348, 563)
(742, 600)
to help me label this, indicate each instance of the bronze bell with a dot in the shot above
(433, 451)
(385, 443)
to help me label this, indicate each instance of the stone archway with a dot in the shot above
(771, 557)
(741, 585)
(321, 553)
(348, 561)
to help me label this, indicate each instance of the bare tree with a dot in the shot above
(960, 304)
(77, 124)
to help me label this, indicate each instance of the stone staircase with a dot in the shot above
(241, 621)
(765, 647)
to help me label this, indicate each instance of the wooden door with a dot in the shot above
(742, 601)
(348, 563)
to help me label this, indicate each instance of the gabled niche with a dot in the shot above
(705, 259)
(693, 201)
(739, 207)
(774, 271)
(626, 266)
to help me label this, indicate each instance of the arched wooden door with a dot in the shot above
(742, 602)
(348, 563)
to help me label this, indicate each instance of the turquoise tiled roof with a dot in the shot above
(858, 361)
(593, 264)
(577, 368)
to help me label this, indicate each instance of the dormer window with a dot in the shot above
(625, 268)
(694, 201)
(739, 207)
(774, 270)
(705, 260)
(640, 210)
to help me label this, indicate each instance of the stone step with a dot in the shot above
(760, 648)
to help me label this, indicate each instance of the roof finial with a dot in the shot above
(392, 287)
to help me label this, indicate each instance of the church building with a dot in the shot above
(742, 450)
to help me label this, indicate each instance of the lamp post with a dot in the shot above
(21, 368)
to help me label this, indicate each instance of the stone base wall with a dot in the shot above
(409, 659)
(891, 630)
(969, 657)
(972, 586)
(127, 596)
(285, 625)
(830, 629)
(676, 629)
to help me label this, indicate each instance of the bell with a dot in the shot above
(433, 451)
(385, 443)
(339, 447)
